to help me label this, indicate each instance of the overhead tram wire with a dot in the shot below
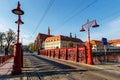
(74, 10)
(109, 16)
(89, 5)
(45, 13)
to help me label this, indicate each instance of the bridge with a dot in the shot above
(37, 67)
(57, 64)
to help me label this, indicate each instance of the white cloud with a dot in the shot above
(110, 30)
(5, 26)
(26, 38)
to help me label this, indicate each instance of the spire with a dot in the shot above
(48, 30)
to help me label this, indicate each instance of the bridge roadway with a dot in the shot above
(44, 68)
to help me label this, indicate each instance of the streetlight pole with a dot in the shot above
(18, 54)
(18, 12)
(87, 25)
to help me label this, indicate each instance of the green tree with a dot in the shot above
(70, 44)
(31, 47)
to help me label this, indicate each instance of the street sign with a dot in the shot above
(104, 41)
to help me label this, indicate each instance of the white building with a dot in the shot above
(61, 42)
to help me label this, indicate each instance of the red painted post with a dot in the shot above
(65, 53)
(90, 59)
(76, 55)
(87, 25)
(17, 59)
(21, 57)
(58, 53)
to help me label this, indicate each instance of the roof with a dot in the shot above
(42, 36)
(94, 42)
(116, 41)
(64, 38)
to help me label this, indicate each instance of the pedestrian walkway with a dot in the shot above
(110, 70)
(110, 67)
(6, 67)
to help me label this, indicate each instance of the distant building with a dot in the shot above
(96, 45)
(47, 41)
(115, 43)
(40, 39)
(61, 42)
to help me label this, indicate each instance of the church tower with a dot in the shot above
(48, 30)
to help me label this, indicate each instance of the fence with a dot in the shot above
(5, 58)
(76, 54)
(79, 54)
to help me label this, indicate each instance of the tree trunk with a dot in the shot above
(6, 51)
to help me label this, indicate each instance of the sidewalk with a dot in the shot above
(6, 67)
(110, 67)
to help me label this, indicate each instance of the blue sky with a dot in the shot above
(63, 17)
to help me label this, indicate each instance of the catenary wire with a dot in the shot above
(44, 15)
(89, 5)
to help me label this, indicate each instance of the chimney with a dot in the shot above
(75, 36)
(70, 35)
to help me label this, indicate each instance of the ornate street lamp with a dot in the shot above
(87, 25)
(18, 12)
(18, 53)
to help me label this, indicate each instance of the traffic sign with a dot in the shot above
(104, 41)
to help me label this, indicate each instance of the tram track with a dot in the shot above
(40, 68)
(37, 72)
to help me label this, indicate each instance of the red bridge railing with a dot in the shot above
(5, 58)
(76, 54)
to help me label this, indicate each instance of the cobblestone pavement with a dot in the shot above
(43, 68)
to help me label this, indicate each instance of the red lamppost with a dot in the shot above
(18, 12)
(87, 25)
(17, 46)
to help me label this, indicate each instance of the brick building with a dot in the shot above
(47, 41)
(40, 39)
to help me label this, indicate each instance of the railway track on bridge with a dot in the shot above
(38, 68)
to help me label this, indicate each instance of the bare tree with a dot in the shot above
(2, 38)
(9, 39)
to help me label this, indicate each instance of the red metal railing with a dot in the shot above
(77, 54)
(5, 58)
